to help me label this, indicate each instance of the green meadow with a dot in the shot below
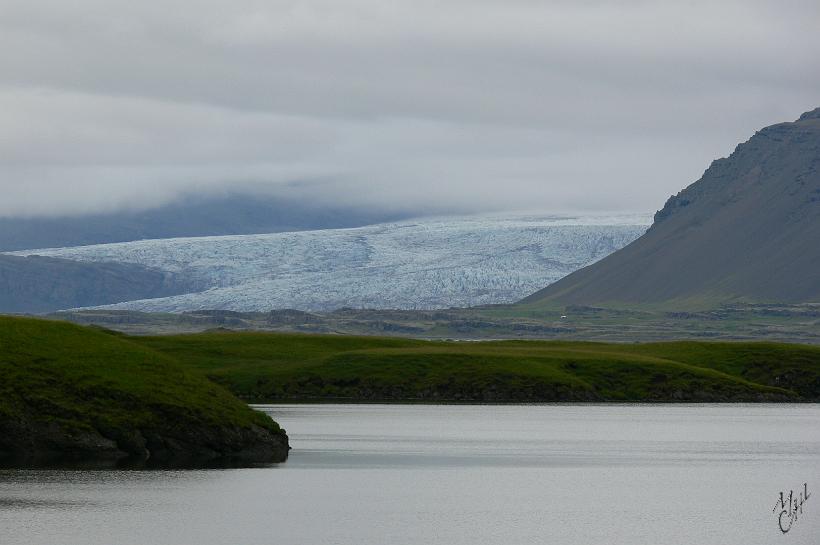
(270, 367)
(90, 378)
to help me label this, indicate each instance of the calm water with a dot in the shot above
(386, 475)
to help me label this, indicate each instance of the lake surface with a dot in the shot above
(456, 474)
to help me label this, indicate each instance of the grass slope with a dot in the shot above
(61, 384)
(269, 367)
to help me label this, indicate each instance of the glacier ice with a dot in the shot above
(422, 264)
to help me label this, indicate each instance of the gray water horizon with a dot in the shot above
(458, 474)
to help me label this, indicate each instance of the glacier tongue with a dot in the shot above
(424, 264)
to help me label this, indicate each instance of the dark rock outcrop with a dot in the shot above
(26, 441)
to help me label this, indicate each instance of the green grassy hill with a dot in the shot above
(265, 367)
(70, 392)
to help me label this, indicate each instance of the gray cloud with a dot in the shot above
(463, 105)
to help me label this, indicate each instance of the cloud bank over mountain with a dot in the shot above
(457, 105)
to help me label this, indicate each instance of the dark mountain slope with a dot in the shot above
(748, 230)
(194, 216)
(42, 284)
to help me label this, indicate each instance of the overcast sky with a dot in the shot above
(447, 104)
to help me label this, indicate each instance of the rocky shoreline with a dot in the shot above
(25, 442)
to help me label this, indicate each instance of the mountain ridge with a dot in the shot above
(36, 284)
(231, 214)
(747, 230)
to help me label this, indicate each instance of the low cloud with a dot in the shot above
(456, 105)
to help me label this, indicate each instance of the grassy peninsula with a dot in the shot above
(263, 367)
(70, 393)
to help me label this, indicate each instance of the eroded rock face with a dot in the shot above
(27, 442)
(813, 114)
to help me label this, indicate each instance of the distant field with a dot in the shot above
(794, 324)
(262, 367)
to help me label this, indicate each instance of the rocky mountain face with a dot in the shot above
(748, 230)
(42, 284)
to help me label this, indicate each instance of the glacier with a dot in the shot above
(423, 264)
